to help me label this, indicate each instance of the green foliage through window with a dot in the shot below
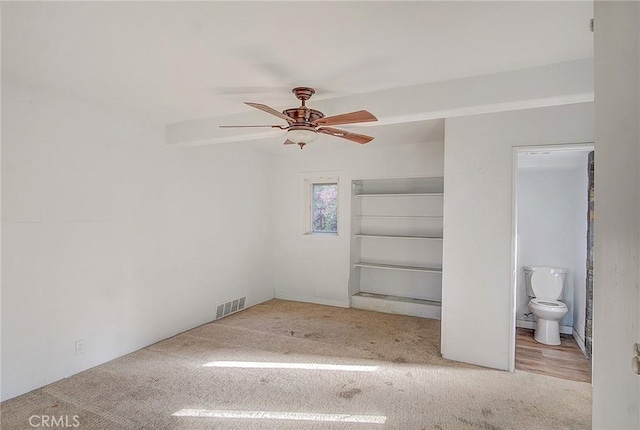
(324, 208)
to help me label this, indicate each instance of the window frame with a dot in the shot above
(308, 181)
(309, 220)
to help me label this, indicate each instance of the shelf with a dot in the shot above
(398, 298)
(397, 305)
(398, 216)
(387, 236)
(402, 195)
(396, 267)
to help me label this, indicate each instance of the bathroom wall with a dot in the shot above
(552, 225)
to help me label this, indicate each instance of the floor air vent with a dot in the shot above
(230, 307)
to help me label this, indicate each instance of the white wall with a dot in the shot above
(477, 319)
(552, 231)
(112, 237)
(616, 319)
(317, 269)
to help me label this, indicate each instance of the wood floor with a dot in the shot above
(564, 361)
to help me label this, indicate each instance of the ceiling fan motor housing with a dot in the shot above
(303, 115)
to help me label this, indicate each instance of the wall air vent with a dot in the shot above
(231, 307)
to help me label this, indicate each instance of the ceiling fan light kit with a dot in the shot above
(304, 124)
(301, 135)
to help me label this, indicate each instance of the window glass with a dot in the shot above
(324, 208)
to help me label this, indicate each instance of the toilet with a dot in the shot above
(545, 286)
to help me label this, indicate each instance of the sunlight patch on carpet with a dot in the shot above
(270, 415)
(304, 366)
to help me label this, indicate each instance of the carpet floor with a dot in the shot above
(288, 365)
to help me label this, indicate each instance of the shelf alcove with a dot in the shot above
(396, 247)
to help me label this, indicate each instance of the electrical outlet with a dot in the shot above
(79, 347)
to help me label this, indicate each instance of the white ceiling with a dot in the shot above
(177, 61)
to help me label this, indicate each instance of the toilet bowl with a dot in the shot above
(545, 286)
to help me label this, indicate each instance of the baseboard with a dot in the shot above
(532, 325)
(579, 341)
(314, 300)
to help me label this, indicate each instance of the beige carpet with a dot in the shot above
(392, 378)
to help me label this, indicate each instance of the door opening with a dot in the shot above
(550, 230)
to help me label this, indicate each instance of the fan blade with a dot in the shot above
(358, 138)
(270, 110)
(347, 118)
(244, 126)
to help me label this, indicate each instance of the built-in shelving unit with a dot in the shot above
(396, 248)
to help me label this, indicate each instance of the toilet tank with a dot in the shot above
(528, 271)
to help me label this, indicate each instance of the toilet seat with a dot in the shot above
(548, 303)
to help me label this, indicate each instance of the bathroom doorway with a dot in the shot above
(550, 213)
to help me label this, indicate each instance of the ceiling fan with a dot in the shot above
(304, 124)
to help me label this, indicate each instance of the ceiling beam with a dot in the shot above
(552, 85)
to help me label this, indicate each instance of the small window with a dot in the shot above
(324, 207)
